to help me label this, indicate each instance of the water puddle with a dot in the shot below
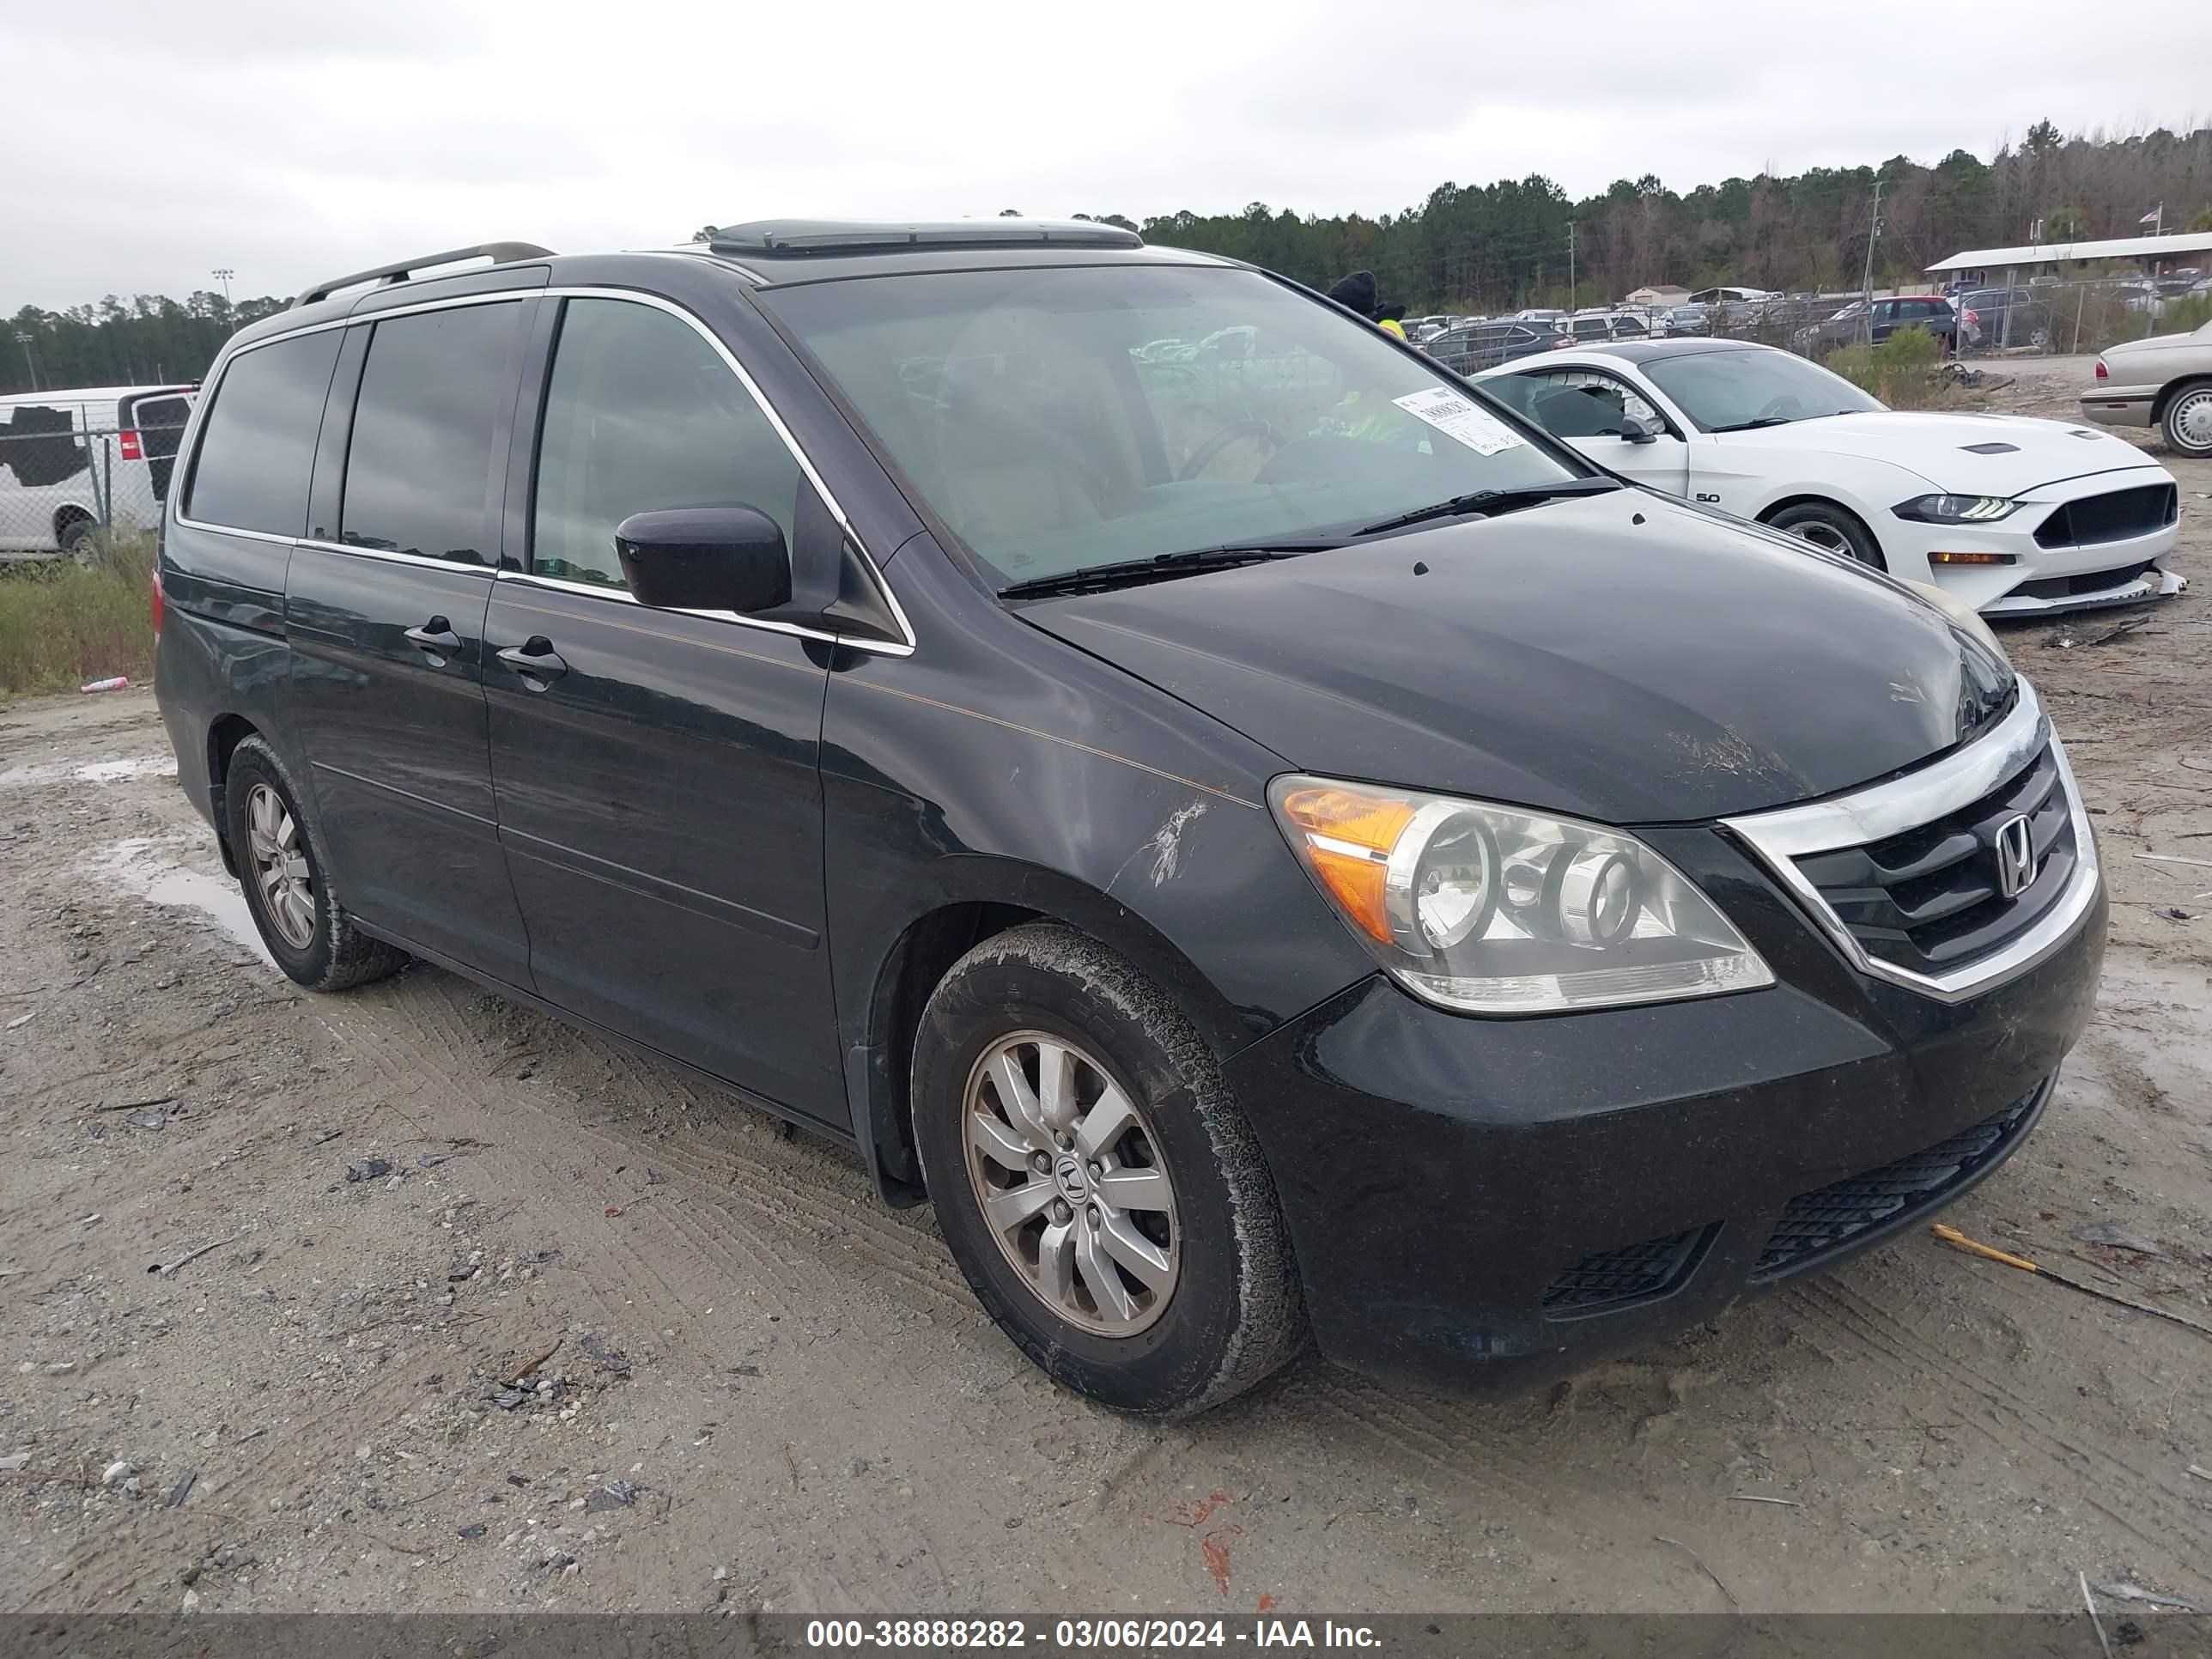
(110, 771)
(150, 867)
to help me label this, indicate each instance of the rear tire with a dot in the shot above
(288, 889)
(1134, 1247)
(1835, 529)
(77, 542)
(2187, 422)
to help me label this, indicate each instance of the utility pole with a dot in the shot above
(1570, 264)
(30, 357)
(223, 274)
(1866, 289)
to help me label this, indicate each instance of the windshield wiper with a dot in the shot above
(1162, 566)
(1753, 426)
(1493, 501)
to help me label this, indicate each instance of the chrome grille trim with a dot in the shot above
(1778, 838)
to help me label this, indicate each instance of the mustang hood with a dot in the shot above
(1616, 658)
(1963, 454)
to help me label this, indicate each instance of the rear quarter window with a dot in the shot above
(256, 448)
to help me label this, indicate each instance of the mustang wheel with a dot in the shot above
(1095, 1178)
(1838, 528)
(287, 887)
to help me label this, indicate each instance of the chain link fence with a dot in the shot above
(79, 473)
(2028, 319)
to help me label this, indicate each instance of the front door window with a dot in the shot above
(643, 413)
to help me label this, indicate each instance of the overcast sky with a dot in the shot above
(294, 139)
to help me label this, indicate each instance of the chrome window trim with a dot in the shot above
(904, 647)
(269, 536)
(1780, 838)
(391, 555)
(623, 596)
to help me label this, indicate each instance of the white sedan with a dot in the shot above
(2010, 515)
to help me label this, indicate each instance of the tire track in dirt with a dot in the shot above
(2013, 1426)
(819, 1188)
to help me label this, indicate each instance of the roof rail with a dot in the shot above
(802, 236)
(499, 253)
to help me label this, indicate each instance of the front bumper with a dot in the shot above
(1484, 1205)
(2041, 580)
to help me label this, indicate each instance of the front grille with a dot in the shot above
(1815, 1223)
(2088, 582)
(2112, 517)
(1928, 900)
(1614, 1278)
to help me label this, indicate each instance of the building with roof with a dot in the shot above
(1979, 266)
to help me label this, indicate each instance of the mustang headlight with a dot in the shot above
(1492, 911)
(1956, 509)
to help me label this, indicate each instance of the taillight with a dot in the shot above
(2103, 373)
(128, 442)
(155, 606)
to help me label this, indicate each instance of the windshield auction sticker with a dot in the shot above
(1452, 415)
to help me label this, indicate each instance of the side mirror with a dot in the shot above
(1636, 430)
(724, 557)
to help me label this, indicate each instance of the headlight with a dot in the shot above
(1956, 509)
(1491, 910)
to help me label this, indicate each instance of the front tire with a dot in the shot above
(287, 889)
(2187, 422)
(1096, 1180)
(1834, 528)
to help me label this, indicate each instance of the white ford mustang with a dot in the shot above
(2010, 515)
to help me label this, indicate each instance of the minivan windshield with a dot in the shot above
(1062, 419)
(1734, 390)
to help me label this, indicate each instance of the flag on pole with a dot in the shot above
(2155, 216)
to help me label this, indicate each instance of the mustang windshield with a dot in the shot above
(1060, 418)
(1728, 391)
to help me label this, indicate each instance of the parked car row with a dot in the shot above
(1860, 321)
(1271, 843)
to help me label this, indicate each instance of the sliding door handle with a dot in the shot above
(536, 660)
(435, 640)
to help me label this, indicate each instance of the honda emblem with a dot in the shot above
(2015, 850)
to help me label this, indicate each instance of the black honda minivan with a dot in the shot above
(1266, 841)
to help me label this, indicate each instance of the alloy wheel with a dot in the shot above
(280, 866)
(1071, 1184)
(1822, 534)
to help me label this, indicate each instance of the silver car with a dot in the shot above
(2165, 381)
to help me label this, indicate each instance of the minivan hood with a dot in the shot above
(1937, 447)
(1620, 658)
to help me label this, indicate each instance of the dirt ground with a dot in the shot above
(745, 1385)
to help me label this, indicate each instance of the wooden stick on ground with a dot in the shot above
(1959, 1241)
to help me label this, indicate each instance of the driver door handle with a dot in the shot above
(536, 660)
(434, 639)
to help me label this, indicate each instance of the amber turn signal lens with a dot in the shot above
(1348, 835)
(1970, 558)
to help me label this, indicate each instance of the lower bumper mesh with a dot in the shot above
(1613, 1278)
(1816, 1223)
